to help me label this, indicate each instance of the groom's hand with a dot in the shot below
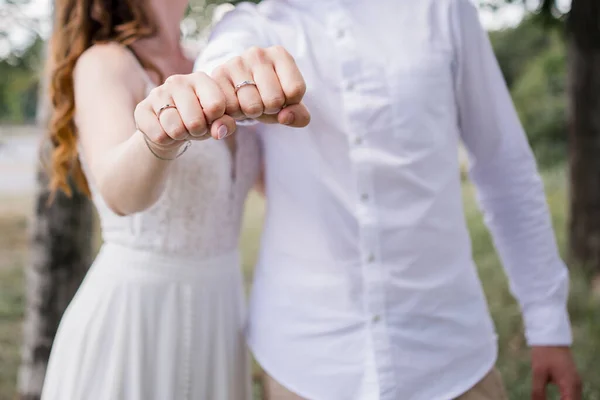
(554, 365)
(264, 84)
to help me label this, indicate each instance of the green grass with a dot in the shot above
(11, 315)
(584, 308)
(12, 251)
(514, 357)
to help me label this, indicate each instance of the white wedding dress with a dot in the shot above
(161, 313)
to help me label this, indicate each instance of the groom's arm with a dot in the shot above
(511, 194)
(509, 187)
(238, 30)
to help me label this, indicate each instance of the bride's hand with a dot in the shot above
(185, 107)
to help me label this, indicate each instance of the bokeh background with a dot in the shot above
(44, 252)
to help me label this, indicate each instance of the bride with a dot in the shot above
(160, 314)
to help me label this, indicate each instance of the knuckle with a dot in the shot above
(160, 139)
(256, 54)
(236, 63)
(279, 50)
(196, 78)
(234, 110)
(215, 109)
(219, 71)
(297, 90)
(157, 92)
(196, 125)
(275, 102)
(253, 109)
(178, 133)
(175, 80)
(200, 74)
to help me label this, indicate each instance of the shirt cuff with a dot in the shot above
(547, 325)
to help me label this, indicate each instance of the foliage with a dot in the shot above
(533, 61)
(515, 47)
(200, 16)
(540, 97)
(548, 12)
(19, 84)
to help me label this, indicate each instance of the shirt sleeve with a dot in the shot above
(237, 31)
(509, 188)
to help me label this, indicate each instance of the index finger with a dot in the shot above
(292, 81)
(211, 97)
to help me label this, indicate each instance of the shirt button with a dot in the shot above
(358, 141)
(349, 86)
(371, 258)
(376, 318)
(340, 34)
(364, 197)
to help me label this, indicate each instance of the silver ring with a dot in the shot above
(163, 108)
(244, 83)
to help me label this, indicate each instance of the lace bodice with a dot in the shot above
(200, 210)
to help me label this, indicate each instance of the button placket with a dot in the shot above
(353, 77)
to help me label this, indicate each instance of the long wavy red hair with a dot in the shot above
(79, 24)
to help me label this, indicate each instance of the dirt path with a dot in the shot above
(18, 162)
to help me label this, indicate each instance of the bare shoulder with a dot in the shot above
(108, 64)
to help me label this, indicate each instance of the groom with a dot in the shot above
(366, 287)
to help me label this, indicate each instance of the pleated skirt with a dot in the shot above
(146, 326)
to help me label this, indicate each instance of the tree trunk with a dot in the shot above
(584, 134)
(60, 255)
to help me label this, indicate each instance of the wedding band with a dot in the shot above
(163, 108)
(244, 83)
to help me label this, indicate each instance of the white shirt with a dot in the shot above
(366, 287)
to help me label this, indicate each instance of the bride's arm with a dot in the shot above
(128, 171)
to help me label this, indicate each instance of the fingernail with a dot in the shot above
(289, 119)
(221, 132)
(273, 112)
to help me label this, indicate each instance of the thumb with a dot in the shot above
(296, 116)
(222, 127)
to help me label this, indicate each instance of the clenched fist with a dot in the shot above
(261, 84)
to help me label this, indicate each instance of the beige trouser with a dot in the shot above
(489, 388)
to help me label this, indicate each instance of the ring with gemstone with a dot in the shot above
(244, 83)
(163, 108)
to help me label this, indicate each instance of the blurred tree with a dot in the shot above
(516, 46)
(539, 93)
(19, 84)
(60, 255)
(533, 61)
(19, 62)
(582, 28)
